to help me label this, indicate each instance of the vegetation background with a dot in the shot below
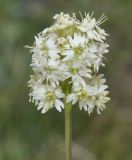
(25, 133)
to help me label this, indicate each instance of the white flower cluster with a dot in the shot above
(70, 51)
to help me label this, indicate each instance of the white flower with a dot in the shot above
(63, 21)
(69, 52)
(92, 95)
(46, 46)
(91, 27)
(78, 72)
(76, 47)
(51, 70)
(47, 97)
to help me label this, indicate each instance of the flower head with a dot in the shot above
(70, 52)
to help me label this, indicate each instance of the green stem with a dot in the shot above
(68, 132)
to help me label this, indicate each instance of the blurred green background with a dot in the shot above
(25, 133)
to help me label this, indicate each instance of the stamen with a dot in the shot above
(81, 15)
(92, 14)
(85, 14)
(102, 19)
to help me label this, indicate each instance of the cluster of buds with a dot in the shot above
(69, 53)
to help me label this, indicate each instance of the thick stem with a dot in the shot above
(68, 132)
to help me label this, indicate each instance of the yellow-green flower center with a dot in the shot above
(70, 30)
(82, 95)
(44, 48)
(50, 96)
(78, 50)
(74, 70)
